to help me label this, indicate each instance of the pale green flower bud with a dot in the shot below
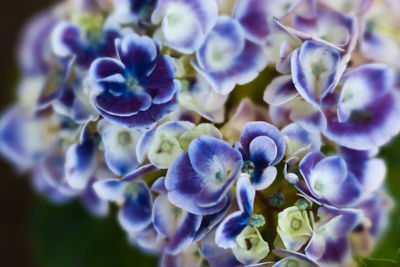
(251, 247)
(294, 227)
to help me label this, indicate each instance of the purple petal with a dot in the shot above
(137, 53)
(230, 228)
(280, 91)
(263, 151)
(110, 189)
(93, 203)
(314, 70)
(368, 128)
(245, 194)
(80, 164)
(144, 143)
(159, 186)
(254, 129)
(362, 87)
(135, 213)
(262, 179)
(223, 63)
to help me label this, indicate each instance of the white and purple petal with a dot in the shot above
(135, 213)
(314, 68)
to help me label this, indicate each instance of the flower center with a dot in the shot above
(257, 220)
(292, 263)
(295, 224)
(165, 147)
(124, 138)
(133, 85)
(133, 188)
(318, 186)
(218, 176)
(248, 167)
(277, 200)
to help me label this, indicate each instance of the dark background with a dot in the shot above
(34, 232)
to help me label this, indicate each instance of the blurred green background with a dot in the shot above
(34, 232)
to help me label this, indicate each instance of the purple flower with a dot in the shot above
(138, 89)
(329, 243)
(25, 139)
(286, 107)
(315, 70)
(198, 181)
(228, 59)
(185, 23)
(328, 25)
(328, 180)
(135, 197)
(368, 108)
(262, 146)
(80, 160)
(86, 44)
(173, 222)
(256, 16)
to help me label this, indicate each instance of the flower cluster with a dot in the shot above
(227, 132)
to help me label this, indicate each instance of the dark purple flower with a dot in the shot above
(138, 89)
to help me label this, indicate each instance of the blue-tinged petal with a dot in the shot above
(331, 26)
(362, 87)
(230, 228)
(65, 38)
(368, 128)
(126, 104)
(297, 138)
(182, 182)
(93, 202)
(263, 151)
(309, 161)
(190, 257)
(314, 68)
(106, 69)
(219, 49)
(316, 247)
(217, 163)
(144, 120)
(245, 194)
(216, 255)
(184, 234)
(166, 217)
(327, 174)
(257, 128)
(120, 149)
(144, 143)
(80, 164)
(339, 222)
(135, 213)
(307, 116)
(280, 91)
(210, 221)
(209, 155)
(261, 179)
(110, 189)
(185, 23)
(221, 61)
(159, 186)
(137, 53)
(292, 257)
